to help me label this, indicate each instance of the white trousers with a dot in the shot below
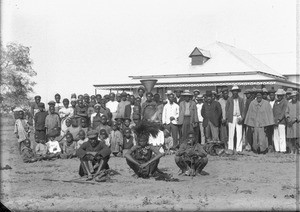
(279, 138)
(239, 133)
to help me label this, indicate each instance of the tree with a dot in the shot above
(16, 74)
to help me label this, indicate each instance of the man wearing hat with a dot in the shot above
(122, 105)
(293, 123)
(265, 93)
(93, 153)
(279, 110)
(224, 125)
(248, 133)
(170, 116)
(196, 92)
(39, 120)
(234, 116)
(178, 97)
(188, 117)
(211, 112)
(52, 121)
(288, 94)
(258, 118)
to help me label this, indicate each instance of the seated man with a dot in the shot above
(140, 157)
(27, 154)
(94, 156)
(191, 157)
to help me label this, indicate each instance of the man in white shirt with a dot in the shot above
(170, 117)
(199, 105)
(112, 105)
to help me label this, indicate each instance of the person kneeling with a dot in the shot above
(140, 157)
(94, 156)
(191, 157)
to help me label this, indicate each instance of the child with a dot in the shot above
(22, 130)
(127, 122)
(103, 125)
(69, 147)
(66, 126)
(143, 158)
(168, 142)
(52, 121)
(82, 138)
(120, 123)
(116, 140)
(53, 146)
(74, 128)
(127, 141)
(103, 136)
(84, 125)
(27, 153)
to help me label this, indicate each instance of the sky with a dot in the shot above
(76, 44)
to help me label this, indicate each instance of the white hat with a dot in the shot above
(169, 92)
(18, 109)
(235, 87)
(280, 91)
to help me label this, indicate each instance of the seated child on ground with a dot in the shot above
(82, 138)
(168, 144)
(69, 150)
(140, 157)
(27, 154)
(116, 140)
(127, 141)
(53, 146)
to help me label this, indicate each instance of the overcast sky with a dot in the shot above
(75, 43)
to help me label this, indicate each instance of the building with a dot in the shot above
(212, 67)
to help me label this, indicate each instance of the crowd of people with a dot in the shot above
(143, 128)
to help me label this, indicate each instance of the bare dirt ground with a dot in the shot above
(264, 182)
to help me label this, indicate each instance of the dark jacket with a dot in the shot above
(279, 109)
(212, 113)
(229, 108)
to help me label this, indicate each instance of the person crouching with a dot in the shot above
(191, 157)
(94, 156)
(140, 157)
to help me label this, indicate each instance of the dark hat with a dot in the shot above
(92, 134)
(127, 118)
(86, 95)
(196, 90)
(37, 97)
(123, 94)
(259, 91)
(289, 90)
(141, 88)
(224, 89)
(208, 93)
(41, 104)
(118, 118)
(51, 102)
(272, 90)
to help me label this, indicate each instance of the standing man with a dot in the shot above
(211, 112)
(112, 105)
(34, 106)
(199, 105)
(259, 116)
(234, 116)
(178, 97)
(279, 110)
(188, 117)
(248, 132)
(170, 117)
(149, 108)
(141, 91)
(224, 125)
(121, 106)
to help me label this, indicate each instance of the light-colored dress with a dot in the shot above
(22, 129)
